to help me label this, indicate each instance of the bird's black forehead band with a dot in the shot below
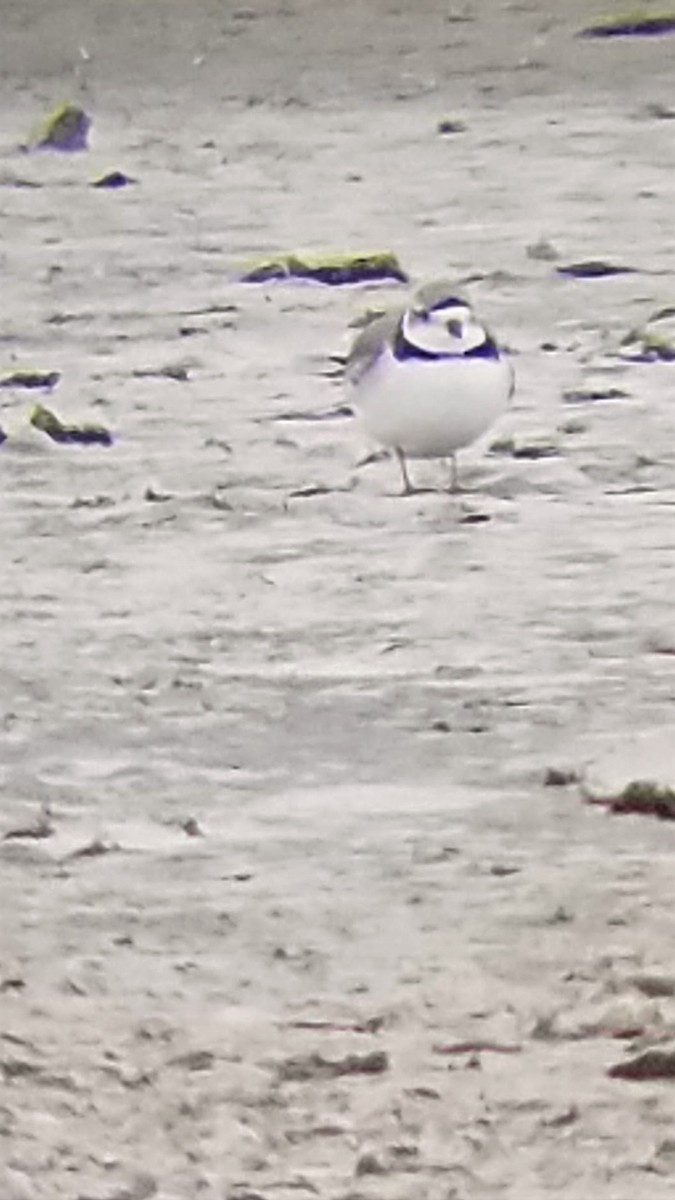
(448, 302)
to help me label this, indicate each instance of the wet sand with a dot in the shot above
(308, 920)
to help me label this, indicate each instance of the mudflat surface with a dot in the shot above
(308, 920)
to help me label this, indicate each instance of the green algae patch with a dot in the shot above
(641, 22)
(45, 421)
(643, 796)
(654, 341)
(65, 129)
(657, 349)
(332, 269)
(646, 796)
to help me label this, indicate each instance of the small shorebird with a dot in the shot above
(428, 379)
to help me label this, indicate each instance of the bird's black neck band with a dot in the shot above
(404, 349)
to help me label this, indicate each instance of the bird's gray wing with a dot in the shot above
(370, 343)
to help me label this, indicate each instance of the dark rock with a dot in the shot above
(113, 180)
(653, 1064)
(593, 269)
(640, 24)
(448, 125)
(560, 777)
(31, 380)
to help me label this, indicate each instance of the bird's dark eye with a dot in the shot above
(455, 328)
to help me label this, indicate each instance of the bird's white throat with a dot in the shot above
(453, 331)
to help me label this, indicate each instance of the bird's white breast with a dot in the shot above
(431, 408)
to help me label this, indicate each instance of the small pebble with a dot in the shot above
(450, 125)
(542, 251)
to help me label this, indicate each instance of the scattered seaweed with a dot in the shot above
(315, 1066)
(534, 448)
(31, 380)
(334, 270)
(370, 1025)
(44, 420)
(589, 395)
(338, 412)
(593, 268)
(313, 489)
(179, 372)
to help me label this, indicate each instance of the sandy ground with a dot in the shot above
(223, 627)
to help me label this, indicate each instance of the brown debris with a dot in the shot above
(371, 1025)
(479, 1046)
(192, 827)
(194, 1060)
(179, 372)
(301, 1068)
(12, 983)
(589, 395)
(93, 849)
(653, 1064)
(654, 985)
(41, 827)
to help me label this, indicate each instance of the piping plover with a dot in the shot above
(428, 379)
